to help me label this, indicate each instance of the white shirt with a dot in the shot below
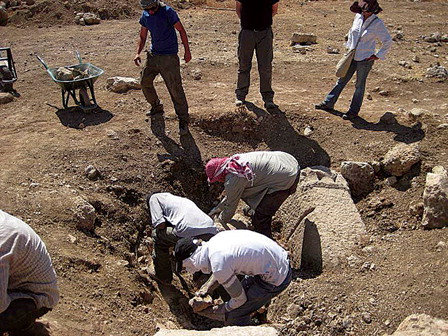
(186, 218)
(376, 31)
(26, 270)
(246, 252)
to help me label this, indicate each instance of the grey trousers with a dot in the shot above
(20, 316)
(260, 42)
(168, 66)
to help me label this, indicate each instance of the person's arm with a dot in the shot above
(274, 9)
(140, 45)
(4, 280)
(156, 210)
(386, 41)
(238, 9)
(234, 190)
(184, 38)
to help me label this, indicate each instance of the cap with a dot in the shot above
(185, 247)
(148, 3)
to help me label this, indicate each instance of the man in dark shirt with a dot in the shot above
(162, 22)
(256, 34)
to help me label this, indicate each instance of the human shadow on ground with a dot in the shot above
(187, 151)
(75, 117)
(280, 135)
(403, 133)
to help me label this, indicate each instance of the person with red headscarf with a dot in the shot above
(264, 180)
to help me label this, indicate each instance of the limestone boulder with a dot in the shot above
(399, 160)
(301, 38)
(6, 98)
(435, 199)
(85, 215)
(122, 84)
(421, 325)
(234, 331)
(359, 175)
(321, 224)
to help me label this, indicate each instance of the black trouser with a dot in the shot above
(262, 218)
(20, 316)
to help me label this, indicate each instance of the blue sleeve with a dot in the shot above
(142, 21)
(173, 18)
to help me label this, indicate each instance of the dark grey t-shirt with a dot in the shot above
(256, 14)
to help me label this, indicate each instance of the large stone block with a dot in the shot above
(421, 325)
(399, 160)
(321, 224)
(359, 175)
(234, 331)
(435, 199)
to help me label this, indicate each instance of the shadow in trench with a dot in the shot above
(75, 117)
(188, 151)
(280, 135)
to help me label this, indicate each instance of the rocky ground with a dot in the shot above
(400, 269)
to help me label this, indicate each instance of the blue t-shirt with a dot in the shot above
(161, 26)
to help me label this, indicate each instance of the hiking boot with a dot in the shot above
(183, 128)
(270, 105)
(323, 106)
(349, 115)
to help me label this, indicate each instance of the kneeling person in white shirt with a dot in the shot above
(172, 218)
(262, 262)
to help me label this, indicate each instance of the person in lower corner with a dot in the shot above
(172, 218)
(262, 263)
(255, 35)
(367, 28)
(263, 179)
(28, 285)
(162, 22)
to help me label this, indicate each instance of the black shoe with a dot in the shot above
(183, 128)
(349, 116)
(324, 107)
(270, 105)
(155, 110)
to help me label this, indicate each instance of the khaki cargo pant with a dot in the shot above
(168, 66)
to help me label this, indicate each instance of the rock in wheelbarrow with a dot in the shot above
(199, 303)
(64, 74)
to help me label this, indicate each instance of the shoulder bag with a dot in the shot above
(344, 63)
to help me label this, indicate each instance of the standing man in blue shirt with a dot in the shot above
(255, 35)
(162, 22)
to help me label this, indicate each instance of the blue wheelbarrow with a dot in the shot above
(83, 83)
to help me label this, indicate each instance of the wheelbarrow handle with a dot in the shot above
(78, 56)
(42, 61)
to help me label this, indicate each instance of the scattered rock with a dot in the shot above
(376, 166)
(6, 98)
(301, 38)
(92, 173)
(391, 181)
(401, 158)
(147, 297)
(416, 114)
(388, 118)
(332, 50)
(435, 37)
(442, 126)
(416, 208)
(437, 71)
(308, 131)
(72, 239)
(87, 19)
(416, 59)
(421, 324)
(199, 303)
(301, 49)
(85, 215)
(122, 84)
(196, 74)
(435, 200)
(112, 134)
(441, 245)
(384, 93)
(405, 64)
(366, 317)
(359, 175)
(398, 36)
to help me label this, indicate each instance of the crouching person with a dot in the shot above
(229, 254)
(28, 287)
(172, 218)
(264, 180)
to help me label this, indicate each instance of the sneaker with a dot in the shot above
(270, 105)
(239, 102)
(323, 106)
(183, 128)
(349, 115)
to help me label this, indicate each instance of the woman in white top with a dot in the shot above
(369, 29)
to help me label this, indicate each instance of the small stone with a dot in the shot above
(72, 239)
(392, 180)
(384, 93)
(369, 96)
(366, 317)
(6, 98)
(308, 131)
(441, 245)
(92, 173)
(387, 323)
(331, 50)
(112, 134)
(416, 59)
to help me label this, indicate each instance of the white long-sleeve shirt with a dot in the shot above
(376, 31)
(26, 271)
(187, 219)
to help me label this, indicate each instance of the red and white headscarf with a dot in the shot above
(217, 169)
